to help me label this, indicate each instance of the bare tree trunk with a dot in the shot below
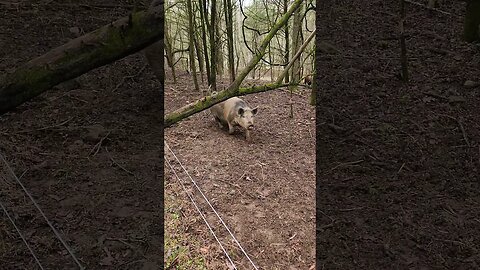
(287, 40)
(168, 52)
(229, 23)
(471, 28)
(204, 22)
(213, 46)
(313, 96)
(197, 47)
(297, 41)
(95, 49)
(234, 88)
(219, 47)
(200, 57)
(191, 48)
(295, 57)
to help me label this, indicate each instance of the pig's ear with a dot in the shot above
(240, 111)
(254, 111)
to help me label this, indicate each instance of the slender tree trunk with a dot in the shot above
(229, 23)
(197, 46)
(297, 41)
(204, 20)
(169, 54)
(213, 46)
(219, 47)
(287, 41)
(270, 55)
(200, 58)
(191, 46)
(295, 57)
(313, 96)
(471, 28)
(270, 59)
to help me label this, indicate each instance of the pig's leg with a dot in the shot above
(219, 122)
(248, 135)
(231, 129)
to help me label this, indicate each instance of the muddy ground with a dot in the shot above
(263, 190)
(88, 153)
(398, 178)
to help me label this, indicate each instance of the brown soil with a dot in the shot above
(104, 197)
(398, 182)
(263, 190)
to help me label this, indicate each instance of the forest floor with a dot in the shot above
(398, 163)
(87, 152)
(263, 190)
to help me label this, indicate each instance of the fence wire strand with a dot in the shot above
(211, 206)
(42, 213)
(21, 235)
(201, 214)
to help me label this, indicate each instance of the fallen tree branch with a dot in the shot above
(209, 101)
(100, 47)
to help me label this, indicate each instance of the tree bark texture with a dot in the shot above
(191, 48)
(296, 43)
(229, 22)
(213, 46)
(286, 57)
(204, 24)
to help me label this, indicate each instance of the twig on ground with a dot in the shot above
(120, 166)
(240, 178)
(329, 225)
(347, 164)
(336, 129)
(332, 221)
(462, 129)
(463, 133)
(435, 95)
(129, 77)
(48, 127)
(350, 209)
(403, 165)
(97, 146)
(263, 175)
(124, 241)
(226, 182)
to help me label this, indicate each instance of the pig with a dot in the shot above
(234, 112)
